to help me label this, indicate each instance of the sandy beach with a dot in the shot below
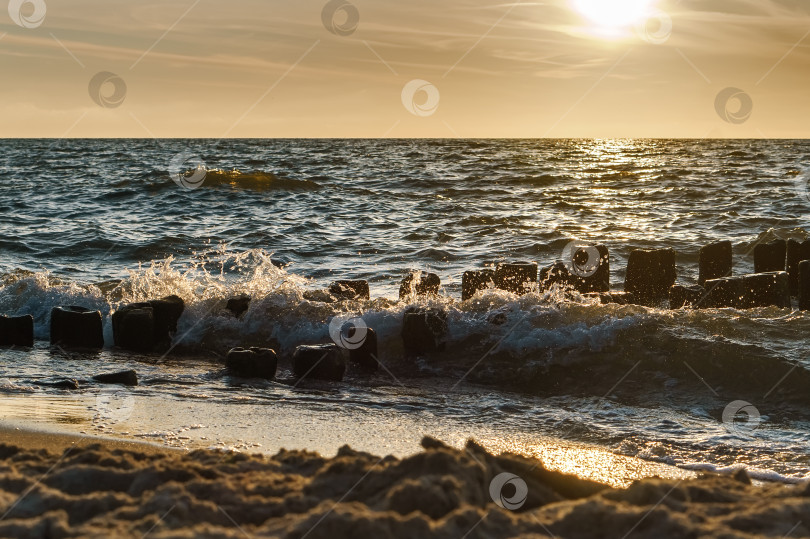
(350, 269)
(63, 486)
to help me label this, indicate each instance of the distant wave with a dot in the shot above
(256, 180)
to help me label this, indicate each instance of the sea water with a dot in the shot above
(102, 223)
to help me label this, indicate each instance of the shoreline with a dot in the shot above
(587, 461)
(52, 441)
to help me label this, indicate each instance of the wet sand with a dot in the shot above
(64, 486)
(57, 442)
(325, 431)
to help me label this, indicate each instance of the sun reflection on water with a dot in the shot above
(592, 463)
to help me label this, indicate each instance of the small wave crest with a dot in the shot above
(257, 180)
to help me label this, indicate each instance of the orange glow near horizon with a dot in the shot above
(461, 68)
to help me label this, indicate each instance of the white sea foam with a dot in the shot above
(755, 473)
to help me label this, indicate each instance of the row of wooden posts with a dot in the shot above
(782, 270)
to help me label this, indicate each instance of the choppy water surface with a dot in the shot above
(100, 223)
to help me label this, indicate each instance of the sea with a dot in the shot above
(105, 222)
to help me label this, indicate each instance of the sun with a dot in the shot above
(613, 16)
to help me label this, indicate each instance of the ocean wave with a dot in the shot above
(539, 342)
(257, 180)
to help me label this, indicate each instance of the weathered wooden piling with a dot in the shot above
(76, 327)
(419, 283)
(424, 331)
(473, 282)
(650, 275)
(519, 277)
(748, 291)
(715, 261)
(770, 256)
(796, 252)
(365, 356)
(804, 285)
(356, 289)
(321, 362)
(252, 363)
(686, 296)
(17, 330)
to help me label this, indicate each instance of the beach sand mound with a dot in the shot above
(96, 491)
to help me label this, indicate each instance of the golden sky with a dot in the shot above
(386, 68)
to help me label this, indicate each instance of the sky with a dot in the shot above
(388, 68)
